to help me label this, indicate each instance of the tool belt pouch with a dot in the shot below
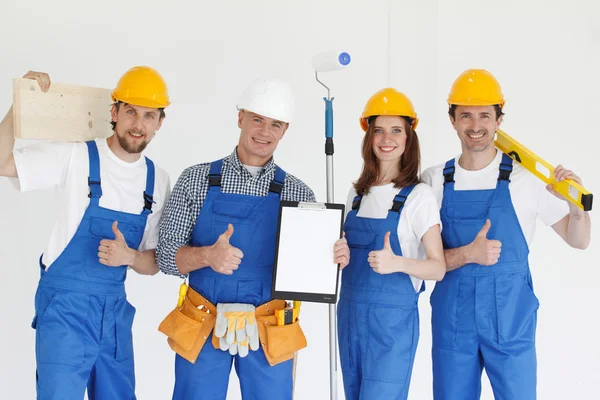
(188, 327)
(279, 343)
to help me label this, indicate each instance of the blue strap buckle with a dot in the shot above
(356, 202)
(449, 174)
(214, 180)
(276, 187)
(148, 201)
(95, 188)
(505, 170)
(398, 203)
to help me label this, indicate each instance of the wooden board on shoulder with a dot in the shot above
(64, 113)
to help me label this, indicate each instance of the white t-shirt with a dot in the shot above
(528, 193)
(64, 166)
(254, 171)
(420, 213)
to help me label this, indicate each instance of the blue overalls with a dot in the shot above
(83, 320)
(484, 316)
(254, 219)
(378, 318)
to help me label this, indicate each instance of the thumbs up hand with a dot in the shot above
(384, 261)
(484, 251)
(115, 253)
(225, 236)
(223, 257)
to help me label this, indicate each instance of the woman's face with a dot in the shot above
(389, 137)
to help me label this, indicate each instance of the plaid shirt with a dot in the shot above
(182, 210)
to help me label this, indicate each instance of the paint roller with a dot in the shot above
(326, 62)
(330, 61)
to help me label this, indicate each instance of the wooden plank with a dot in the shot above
(64, 113)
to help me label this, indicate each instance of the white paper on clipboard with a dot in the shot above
(304, 261)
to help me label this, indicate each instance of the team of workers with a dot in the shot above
(467, 224)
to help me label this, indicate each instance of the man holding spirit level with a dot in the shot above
(484, 312)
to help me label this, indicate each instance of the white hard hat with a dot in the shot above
(271, 98)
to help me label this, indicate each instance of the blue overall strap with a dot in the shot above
(449, 173)
(506, 167)
(94, 176)
(214, 176)
(149, 192)
(356, 202)
(400, 199)
(278, 180)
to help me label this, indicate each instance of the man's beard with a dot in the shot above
(128, 147)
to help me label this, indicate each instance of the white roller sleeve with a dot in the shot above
(330, 61)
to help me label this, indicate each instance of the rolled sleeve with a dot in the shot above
(425, 213)
(42, 165)
(176, 225)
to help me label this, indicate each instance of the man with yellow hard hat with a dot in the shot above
(484, 311)
(110, 201)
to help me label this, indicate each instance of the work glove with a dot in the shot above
(236, 328)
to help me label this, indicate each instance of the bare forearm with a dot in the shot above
(578, 229)
(430, 269)
(7, 144)
(189, 259)
(144, 262)
(456, 258)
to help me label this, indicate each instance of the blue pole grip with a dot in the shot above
(328, 118)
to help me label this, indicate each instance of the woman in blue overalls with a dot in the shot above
(393, 231)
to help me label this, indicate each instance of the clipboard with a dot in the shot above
(303, 268)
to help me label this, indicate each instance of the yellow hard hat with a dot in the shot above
(388, 101)
(476, 87)
(142, 86)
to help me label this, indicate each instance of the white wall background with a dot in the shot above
(544, 53)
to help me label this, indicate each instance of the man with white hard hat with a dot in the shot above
(219, 229)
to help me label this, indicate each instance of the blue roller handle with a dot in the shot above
(328, 117)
